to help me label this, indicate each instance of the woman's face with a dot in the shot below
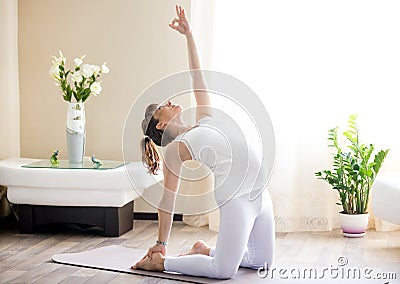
(165, 113)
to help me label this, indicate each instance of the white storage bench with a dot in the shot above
(101, 198)
(386, 197)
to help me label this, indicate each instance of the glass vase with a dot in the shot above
(76, 132)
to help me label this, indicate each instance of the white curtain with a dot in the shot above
(9, 90)
(313, 63)
(9, 83)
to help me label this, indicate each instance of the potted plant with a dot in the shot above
(352, 175)
(84, 82)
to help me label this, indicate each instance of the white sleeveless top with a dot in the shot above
(220, 145)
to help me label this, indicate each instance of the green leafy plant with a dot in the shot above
(354, 171)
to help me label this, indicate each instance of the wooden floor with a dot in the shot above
(27, 258)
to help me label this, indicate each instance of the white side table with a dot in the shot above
(102, 198)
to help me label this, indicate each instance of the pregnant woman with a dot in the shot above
(246, 235)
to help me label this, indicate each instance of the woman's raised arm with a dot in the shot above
(181, 24)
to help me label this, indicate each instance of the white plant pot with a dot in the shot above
(353, 225)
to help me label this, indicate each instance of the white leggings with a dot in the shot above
(246, 238)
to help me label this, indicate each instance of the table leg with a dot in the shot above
(25, 215)
(118, 220)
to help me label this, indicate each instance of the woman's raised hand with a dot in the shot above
(181, 24)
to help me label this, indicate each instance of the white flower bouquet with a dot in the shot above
(84, 77)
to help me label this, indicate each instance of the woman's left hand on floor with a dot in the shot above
(154, 249)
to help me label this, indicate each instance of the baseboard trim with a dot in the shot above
(153, 216)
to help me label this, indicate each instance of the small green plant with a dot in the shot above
(353, 171)
(54, 158)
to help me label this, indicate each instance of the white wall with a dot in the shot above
(134, 39)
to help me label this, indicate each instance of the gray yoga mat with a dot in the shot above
(120, 259)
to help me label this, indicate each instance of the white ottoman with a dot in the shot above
(102, 198)
(386, 197)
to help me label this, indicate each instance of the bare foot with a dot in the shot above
(199, 247)
(155, 264)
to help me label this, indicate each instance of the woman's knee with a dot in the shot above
(225, 271)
